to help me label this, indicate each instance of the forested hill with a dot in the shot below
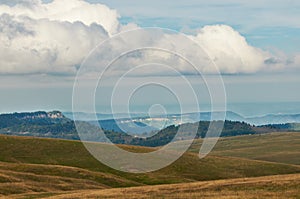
(56, 125)
(41, 124)
(230, 129)
(35, 118)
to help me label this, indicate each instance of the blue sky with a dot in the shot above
(266, 24)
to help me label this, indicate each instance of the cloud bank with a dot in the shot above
(54, 38)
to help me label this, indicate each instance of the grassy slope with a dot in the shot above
(17, 179)
(21, 178)
(276, 147)
(33, 162)
(282, 186)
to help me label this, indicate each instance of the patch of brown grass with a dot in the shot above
(20, 178)
(281, 186)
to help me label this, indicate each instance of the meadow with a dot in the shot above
(246, 165)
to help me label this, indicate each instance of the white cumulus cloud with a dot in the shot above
(66, 10)
(54, 38)
(51, 38)
(43, 46)
(230, 50)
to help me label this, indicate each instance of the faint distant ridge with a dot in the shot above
(108, 121)
(82, 116)
(274, 119)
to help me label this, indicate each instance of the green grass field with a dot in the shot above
(45, 167)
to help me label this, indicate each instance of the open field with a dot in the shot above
(38, 168)
(282, 186)
(273, 147)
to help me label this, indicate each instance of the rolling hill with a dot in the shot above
(36, 167)
(281, 186)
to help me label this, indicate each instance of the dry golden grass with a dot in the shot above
(20, 178)
(39, 168)
(281, 186)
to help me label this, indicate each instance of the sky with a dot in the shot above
(253, 44)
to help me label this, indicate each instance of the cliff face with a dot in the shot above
(34, 118)
(55, 115)
(36, 115)
(40, 124)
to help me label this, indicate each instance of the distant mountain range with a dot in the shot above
(159, 122)
(274, 119)
(82, 116)
(56, 125)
